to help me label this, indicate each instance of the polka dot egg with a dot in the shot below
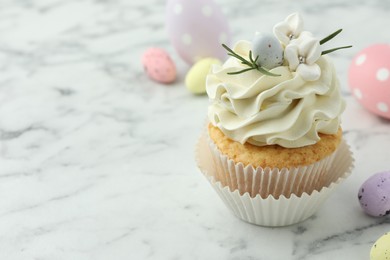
(381, 249)
(369, 79)
(197, 29)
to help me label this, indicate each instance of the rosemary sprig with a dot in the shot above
(251, 63)
(328, 38)
(335, 49)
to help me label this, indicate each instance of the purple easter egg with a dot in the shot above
(374, 195)
(197, 29)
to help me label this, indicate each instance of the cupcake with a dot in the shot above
(273, 146)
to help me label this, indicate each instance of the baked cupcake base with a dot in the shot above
(274, 155)
(268, 210)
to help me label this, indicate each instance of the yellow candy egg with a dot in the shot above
(381, 249)
(196, 76)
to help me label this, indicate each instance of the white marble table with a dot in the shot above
(96, 161)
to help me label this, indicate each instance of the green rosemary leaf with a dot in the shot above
(232, 53)
(266, 72)
(251, 63)
(330, 37)
(227, 48)
(335, 49)
(245, 62)
(235, 56)
(250, 57)
(241, 71)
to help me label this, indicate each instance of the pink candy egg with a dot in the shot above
(369, 79)
(158, 65)
(197, 28)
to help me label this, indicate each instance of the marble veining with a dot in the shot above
(97, 161)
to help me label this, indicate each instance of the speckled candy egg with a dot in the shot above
(381, 249)
(269, 50)
(196, 76)
(369, 79)
(374, 195)
(197, 29)
(158, 65)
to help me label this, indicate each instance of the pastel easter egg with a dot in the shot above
(369, 79)
(158, 65)
(268, 49)
(197, 29)
(374, 195)
(381, 249)
(196, 77)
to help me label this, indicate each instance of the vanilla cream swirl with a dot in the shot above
(265, 110)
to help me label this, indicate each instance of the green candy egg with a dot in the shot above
(196, 77)
(381, 249)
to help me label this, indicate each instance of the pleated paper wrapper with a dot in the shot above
(272, 197)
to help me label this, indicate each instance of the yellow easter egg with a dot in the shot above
(196, 77)
(381, 249)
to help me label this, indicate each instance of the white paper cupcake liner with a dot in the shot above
(275, 181)
(257, 195)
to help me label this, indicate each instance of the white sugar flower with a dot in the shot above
(289, 29)
(302, 53)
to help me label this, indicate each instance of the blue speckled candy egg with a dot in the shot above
(269, 50)
(374, 195)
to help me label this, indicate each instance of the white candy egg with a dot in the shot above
(269, 50)
(197, 29)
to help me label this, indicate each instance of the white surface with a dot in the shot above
(96, 161)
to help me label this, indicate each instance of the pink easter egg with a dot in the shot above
(197, 28)
(369, 79)
(158, 65)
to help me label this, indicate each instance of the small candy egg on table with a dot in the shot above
(158, 65)
(196, 77)
(381, 249)
(374, 195)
